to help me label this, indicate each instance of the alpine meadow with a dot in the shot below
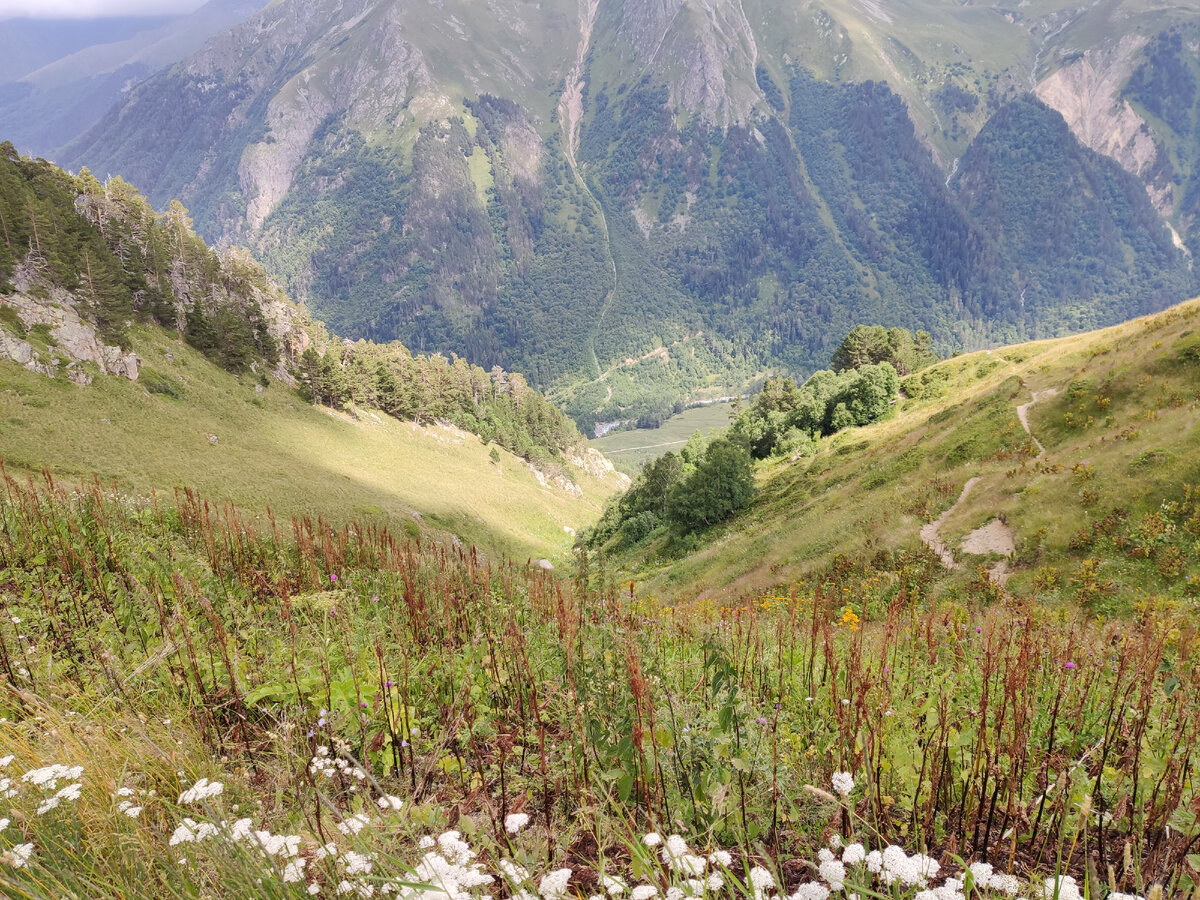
(600, 450)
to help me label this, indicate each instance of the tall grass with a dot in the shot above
(156, 643)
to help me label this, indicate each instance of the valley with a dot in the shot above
(327, 569)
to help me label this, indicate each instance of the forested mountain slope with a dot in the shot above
(636, 203)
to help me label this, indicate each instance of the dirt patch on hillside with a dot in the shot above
(994, 537)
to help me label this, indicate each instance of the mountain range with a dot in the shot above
(643, 203)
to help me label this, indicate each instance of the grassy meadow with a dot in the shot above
(273, 449)
(1105, 519)
(333, 699)
(197, 704)
(630, 450)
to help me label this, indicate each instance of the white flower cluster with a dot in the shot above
(448, 868)
(843, 783)
(70, 792)
(690, 872)
(326, 765)
(892, 868)
(48, 777)
(514, 822)
(354, 824)
(201, 790)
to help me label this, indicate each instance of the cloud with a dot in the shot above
(94, 9)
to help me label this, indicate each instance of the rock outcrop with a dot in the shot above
(70, 340)
(1087, 93)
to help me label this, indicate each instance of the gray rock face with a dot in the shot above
(73, 340)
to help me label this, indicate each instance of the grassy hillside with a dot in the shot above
(1104, 516)
(273, 448)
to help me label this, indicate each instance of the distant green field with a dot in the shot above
(630, 450)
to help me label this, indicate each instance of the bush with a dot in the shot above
(722, 484)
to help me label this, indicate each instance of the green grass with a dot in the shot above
(274, 449)
(1120, 454)
(630, 450)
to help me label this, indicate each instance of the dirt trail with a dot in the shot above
(995, 536)
(929, 534)
(1023, 414)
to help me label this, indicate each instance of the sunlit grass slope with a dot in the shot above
(273, 449)
(1102, 517)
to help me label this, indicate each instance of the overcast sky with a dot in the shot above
(88, 9)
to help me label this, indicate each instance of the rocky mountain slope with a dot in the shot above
(640, 202)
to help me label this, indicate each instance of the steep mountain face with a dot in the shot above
(639, 202)
(63, 75)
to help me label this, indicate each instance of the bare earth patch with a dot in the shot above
(994, 537)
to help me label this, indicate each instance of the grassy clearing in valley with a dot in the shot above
(351, 693)
(274, 449)
(630, 450)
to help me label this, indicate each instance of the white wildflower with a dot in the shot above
(515, 873)
(613, 885)
(201, 790)
(761, 880)
(553, 885)
(354, 824)
(514, 822)
(843, 783)
(643, 892)
(674, 893)
(387, 801)
(653, 839)
(191, 830)
(356, 863)
(813, 891)
(47, 777)
(715, 881)
(18, 856)
(833, 873)
(1064, 888)
(720, 858)
(294, 870)
(854, 854)
(6, 761)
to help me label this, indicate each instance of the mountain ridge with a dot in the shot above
(637, 150)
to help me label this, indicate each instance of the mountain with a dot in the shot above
(640, 203)
(62, 75)
(132, 352)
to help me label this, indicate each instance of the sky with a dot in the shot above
(89, 9)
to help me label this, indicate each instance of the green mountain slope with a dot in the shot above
(636, 204)
(131, 352)
(1096, 503)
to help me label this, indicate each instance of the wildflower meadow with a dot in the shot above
(199, 702)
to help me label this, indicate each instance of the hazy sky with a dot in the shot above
(86, 9)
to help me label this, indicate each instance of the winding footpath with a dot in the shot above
(929, 533)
